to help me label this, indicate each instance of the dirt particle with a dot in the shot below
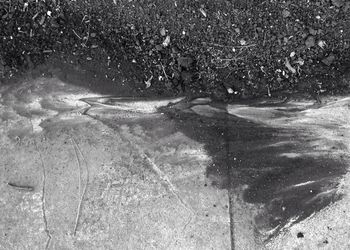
(300, 235)
(325, 241)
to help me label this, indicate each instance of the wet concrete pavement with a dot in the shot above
(278, 173)
(164, 174)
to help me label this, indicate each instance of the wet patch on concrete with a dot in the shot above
(179, 157)
(278, 170)
(282, 171)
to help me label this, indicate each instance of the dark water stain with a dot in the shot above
(279, 167)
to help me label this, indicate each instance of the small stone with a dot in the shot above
(312, 31)
(159, 47)
(310, 41)
(242, 42)
(166, 41)
(230, 91)
(321, 44)
(329, 60)
(162, 32)
(285, 13)
(300, 61)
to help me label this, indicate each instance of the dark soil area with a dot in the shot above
(227, 49)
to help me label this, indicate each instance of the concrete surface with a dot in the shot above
(80, 170)
(146, 182)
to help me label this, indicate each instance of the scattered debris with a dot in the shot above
(186, 38)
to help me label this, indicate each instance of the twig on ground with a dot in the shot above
(245, 46)
(81, 195)
(230, 59)
(166, 76)
(19, 187)
(76, 34)
(231, 46)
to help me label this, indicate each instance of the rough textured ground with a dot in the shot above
(227, 49)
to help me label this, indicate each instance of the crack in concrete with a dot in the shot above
(43, 201)
(81, 194)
